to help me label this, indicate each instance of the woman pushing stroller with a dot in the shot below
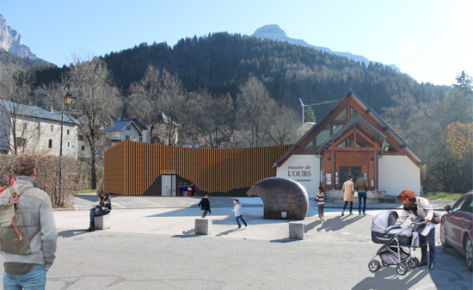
(421, 208)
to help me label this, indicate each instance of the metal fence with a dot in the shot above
(132, 167)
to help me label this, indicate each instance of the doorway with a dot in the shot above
(168, 185)
(345, 171)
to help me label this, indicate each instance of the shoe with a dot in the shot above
(432, 266)
(343, 213)
(350, 214)
(90, 229)
(359, 213)
(422, 264)
(239, 227)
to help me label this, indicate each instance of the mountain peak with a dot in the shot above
(270, 29)
(11, 41)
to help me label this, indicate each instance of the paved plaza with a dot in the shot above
(156, 248)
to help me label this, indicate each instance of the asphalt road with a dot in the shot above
(334, 255)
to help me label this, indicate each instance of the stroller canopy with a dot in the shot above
(383, 220)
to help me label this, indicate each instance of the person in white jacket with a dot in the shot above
(237, 212)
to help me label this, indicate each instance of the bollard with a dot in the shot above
(203, 226)
(296, 230)
(103, 222)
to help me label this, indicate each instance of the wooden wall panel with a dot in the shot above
(132, 167)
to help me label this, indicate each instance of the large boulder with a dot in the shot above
(283, 198)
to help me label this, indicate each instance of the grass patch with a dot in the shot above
(86, 192)
(443, 195)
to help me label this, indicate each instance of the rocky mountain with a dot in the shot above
(274, 32)
(11, 41)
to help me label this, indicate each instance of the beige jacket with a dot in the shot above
(348, 190)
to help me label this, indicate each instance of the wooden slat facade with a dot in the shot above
(132, 167)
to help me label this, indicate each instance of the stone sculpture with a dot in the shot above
(283, 198)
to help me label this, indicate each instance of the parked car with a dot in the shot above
(456, 227)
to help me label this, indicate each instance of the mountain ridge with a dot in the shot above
(274, 32)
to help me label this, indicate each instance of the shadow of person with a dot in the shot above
(311, 226)
(71, 233)
(387, 278)
(228, 232)
(338, 223)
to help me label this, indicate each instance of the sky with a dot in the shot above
(431, 40)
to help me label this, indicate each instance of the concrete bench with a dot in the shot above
(103, 222)
(296, 230)
(203, 226)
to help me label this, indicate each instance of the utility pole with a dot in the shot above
(316, 104)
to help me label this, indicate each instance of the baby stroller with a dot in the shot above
(397, 242)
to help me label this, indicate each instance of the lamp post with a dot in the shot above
(66, 102)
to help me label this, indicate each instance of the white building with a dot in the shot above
(36, 130)
(352, 140)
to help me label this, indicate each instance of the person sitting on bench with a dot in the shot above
(104, 207)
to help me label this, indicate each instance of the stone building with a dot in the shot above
(36, 130)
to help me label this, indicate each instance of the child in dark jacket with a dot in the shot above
(320, 197)
(205, 205)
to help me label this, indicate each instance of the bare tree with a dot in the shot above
(255, 109)
(283, 126)
(213, 116)
(14, 91)
(96, 102)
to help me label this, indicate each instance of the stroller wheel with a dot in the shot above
(413, 262)
(374, 266)
(402, 269)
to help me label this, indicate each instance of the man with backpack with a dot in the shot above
(27, 229)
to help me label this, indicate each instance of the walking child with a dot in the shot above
(205, 205)
(320, 197)
(237, 211)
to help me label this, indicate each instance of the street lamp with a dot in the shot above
(66, 102)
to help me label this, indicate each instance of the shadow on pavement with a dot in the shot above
(451, 271)
(230, 231)
(286, 240)
(311, 226)
(338, 223)
(71, 233)
(387, 278)
(187, 234)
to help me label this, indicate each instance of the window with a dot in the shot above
(20, 142)
(24, 126)
(127, 137)
(67, 132)
(345, 143)
(353, 113)
(342, 116)
(459, 203)
(50, 143)
(68, 144)
(468, 204)
(141, 139)
(81, 138)
(309, 146)
(322, 136)
(335, 128)
(51, 128)
(82, 148)
(128, 127)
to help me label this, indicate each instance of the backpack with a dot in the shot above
(13, 236)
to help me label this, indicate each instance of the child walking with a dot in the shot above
(320, 197)
(237, 212)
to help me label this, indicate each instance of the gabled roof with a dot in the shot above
(371, 112)
(122, 125)
(352, 123)
(35, 112)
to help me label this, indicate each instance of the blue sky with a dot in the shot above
(431, 40)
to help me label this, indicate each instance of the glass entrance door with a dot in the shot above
(346, 171)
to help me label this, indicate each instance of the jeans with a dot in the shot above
(361, 197)
(242, 219)
(93, 214)
(431, 243)
(204, 212)
(321, 210)
(351, 205)
(35, 279)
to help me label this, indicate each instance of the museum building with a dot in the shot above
(352, 139)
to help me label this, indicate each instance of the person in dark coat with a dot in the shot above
(362, 186)
(104, 207)
(205, 205)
